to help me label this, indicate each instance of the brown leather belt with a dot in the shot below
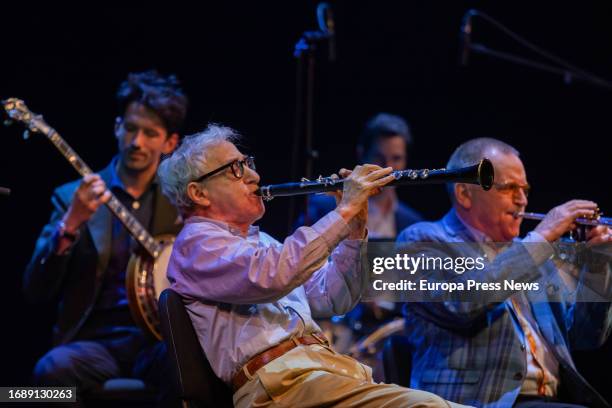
(263, 358)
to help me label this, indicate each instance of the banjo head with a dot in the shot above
(145, 280)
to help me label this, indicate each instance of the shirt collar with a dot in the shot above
(115, 180)
(478, 235)
(253, 229)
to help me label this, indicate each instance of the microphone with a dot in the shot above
(466, 36)
(5, 191)
(325, 18)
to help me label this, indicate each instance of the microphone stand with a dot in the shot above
(568, 75)
(304, 111)
(564, 69)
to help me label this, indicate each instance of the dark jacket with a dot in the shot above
(74, 279)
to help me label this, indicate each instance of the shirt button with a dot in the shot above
(518, 376)
(522, 347)
(135, 205)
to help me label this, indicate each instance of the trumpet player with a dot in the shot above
(514, 352)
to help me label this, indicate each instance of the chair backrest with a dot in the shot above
(397, 360)
(195, 380)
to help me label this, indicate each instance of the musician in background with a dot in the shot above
(515, 352)
(384, 142)
(82, 254)
(252, 299)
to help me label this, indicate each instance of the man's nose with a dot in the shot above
(137, 138)
(520, 197)
(250, 175)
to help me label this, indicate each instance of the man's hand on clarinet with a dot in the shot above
(360, 184)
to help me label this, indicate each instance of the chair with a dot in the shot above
(196, 383)
(397, 360)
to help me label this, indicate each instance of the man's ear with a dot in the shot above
(463, 195)
(170, 143)
(198, 194)
(118, 122)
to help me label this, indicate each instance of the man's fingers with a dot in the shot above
(383, 181)
(377, 174)
(98, 182)
(344, 173)
(369, 166)
(363, 169)
(600, 233)
(582, 213)
(91, 178)
(598, 230)
(106, 196)
(98, 189)
(599, 239)
(334, 193)
(103, 199)
(584, 204)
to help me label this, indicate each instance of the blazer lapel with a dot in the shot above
(544, 317)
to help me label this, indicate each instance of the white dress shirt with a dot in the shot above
(247, 294)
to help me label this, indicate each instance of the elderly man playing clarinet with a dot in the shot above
(252, 299)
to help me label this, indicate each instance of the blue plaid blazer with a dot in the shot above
(475, 354)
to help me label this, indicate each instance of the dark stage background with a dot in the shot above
(235, 60)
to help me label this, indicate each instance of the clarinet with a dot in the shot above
(480, 173)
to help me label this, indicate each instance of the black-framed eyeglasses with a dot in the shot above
(512, 188)
(237, 167)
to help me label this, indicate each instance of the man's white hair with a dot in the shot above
(190, 161)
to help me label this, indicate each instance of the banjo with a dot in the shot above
(146, 272)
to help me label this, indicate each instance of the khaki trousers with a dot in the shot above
(317, 376)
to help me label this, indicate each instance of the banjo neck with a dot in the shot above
(18, 111)
(134, 227)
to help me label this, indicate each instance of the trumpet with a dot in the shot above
(596, 220)
(481, 173)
